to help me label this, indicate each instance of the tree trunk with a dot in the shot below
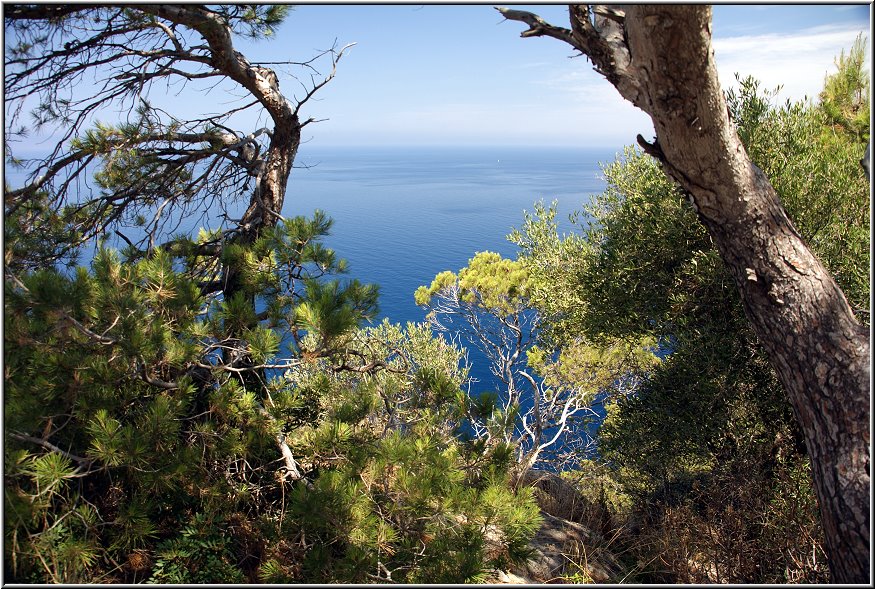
(272, 172)
(263, 212)
(659, 57)
(128, 49)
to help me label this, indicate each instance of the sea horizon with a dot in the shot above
(404, 214)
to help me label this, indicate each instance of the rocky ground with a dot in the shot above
(563, 551)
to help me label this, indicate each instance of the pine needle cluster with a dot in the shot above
(157, 433)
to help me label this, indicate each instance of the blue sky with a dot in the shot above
(461, 75)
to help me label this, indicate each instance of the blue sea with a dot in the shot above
(404, 214)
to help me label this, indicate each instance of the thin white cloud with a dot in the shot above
(586, 104)
(571, 104)
(562, 121)
(798, 62)
(532, 65)
(584, 86)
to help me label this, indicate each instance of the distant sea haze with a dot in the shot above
(404, 214)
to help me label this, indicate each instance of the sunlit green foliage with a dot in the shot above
(486, 304)
(550, 259)
(707, 441)
(592, 368)
(844, 100)
(497, 284)
(134, 436)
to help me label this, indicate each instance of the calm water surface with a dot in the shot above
(403, 215)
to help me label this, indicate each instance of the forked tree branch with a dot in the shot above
(49, 446)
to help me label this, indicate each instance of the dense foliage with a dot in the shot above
(217, 409)
(706, 450)
(132, 453)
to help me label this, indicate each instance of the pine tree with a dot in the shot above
(547, 387)
(130, 440)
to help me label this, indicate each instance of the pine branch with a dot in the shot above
(316, 87)
(49, 446)
(225, 140)
(44, 11)
(292, 471)
(102, 339)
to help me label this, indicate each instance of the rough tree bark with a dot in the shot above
(659, 57)
(272, 175)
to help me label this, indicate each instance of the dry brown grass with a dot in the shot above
(730, 528)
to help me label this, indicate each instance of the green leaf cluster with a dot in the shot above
(199, 553)
(144, 418)
(255, 21)
(550, 259)
(496, 284)
(705, 438)
(398, 496)
(36, 235)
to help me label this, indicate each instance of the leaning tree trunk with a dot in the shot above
(659, 57)
(272, 169)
